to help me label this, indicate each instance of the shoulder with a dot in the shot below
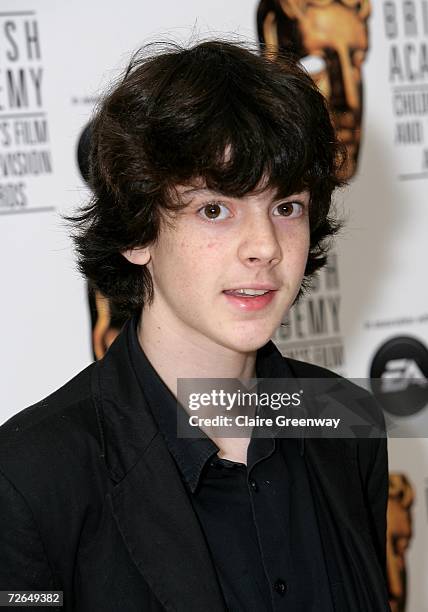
(53, 434)
(353, 393)
(66, 402)
(53, 477)
(303, 369)
(322, 384)
(360, 407)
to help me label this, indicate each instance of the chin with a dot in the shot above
(248, 342)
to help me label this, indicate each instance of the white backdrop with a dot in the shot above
(55, 59)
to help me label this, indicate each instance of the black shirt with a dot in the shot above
(258, 519)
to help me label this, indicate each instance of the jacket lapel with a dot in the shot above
(161, 531)
(149, 501)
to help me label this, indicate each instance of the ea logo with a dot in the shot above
(399, 375)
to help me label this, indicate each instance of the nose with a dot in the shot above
(346, 87)
(259, 246)
(351, 80)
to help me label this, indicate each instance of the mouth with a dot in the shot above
(247, 292)
(249, 298)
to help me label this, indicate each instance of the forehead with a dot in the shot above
(331, 19)
(297, 8)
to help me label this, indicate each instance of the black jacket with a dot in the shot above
(91, 503)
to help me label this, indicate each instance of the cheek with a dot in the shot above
(204, 261)
(185, 262)
(296, 247)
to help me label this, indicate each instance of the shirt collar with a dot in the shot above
(191, 454)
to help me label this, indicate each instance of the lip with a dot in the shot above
(250, 304)
(259, 286)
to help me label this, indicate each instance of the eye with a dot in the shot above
(314, 64)
(289, 210)
(214, 211)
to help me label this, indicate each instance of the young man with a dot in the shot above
(212, 171)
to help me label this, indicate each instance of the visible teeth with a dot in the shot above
(251, 291)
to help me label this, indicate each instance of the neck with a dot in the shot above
(176, 353)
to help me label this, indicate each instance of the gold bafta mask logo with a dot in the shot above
(105, 324)
(398, 536)
(330, 37)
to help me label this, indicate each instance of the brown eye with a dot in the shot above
(214, 211)
(289, 209)
(285, 209)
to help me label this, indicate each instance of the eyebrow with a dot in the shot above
(205, 190)
(199, 190)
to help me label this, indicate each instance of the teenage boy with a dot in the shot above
(212, 171)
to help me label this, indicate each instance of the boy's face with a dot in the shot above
(218, 245)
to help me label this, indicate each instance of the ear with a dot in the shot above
(139, 256)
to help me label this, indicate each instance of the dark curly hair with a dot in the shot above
(169, 121)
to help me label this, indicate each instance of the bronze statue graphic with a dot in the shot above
(330, 37)
(398, 536)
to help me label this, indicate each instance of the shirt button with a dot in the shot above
(253, 485)
(280, 587)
